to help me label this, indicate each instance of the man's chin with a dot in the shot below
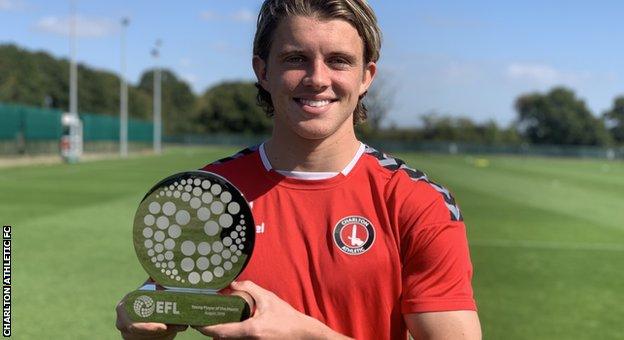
(312, 131)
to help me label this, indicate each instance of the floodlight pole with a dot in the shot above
(123, 96)
(157, 99)
(71, 142)
(73, 69)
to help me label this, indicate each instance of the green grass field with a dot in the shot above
(547, 241)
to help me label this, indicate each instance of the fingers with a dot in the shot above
(251, 288)
(250, 301)
(228, 330)
(144, 330)
(151, 330)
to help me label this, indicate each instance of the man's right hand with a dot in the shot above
(144, 330)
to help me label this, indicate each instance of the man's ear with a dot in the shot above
(369, 74)
(260, 69)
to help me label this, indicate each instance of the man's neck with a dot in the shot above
(322, 155)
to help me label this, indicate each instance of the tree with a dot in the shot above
(178, 101)
(558, 117)
(38, 79)
(379, 101)
(615, 119)
(231, 107)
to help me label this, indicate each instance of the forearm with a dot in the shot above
(444, 325)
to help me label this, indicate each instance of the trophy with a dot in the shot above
(193, 234)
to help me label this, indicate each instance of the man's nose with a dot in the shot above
(317, 75)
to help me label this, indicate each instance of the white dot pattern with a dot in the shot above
(169, 208)
(154, 207)
(193, 278)
(162, 222)
(175, 231)
(202, 263)
(233, 208)
(149, 220)
(203, 214)
(188, 248)
(211, 228)
(226, 197)
(186, 196)
(163, 230)
(215, 189)
(159, 236)
(206, 197)
(203, 248)
(216, 207)
(183, 217)
(195, 202)
(217, 247)
(187, 264)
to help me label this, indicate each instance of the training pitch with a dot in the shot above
(546, 235)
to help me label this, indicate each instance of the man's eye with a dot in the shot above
(340, 62)
(294, 59)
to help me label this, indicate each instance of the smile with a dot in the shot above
(314, 103)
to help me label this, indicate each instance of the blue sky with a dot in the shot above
(469, 58)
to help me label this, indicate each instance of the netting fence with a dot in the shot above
(31, 130)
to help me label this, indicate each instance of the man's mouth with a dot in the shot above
(313, 102)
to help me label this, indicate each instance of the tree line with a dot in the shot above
(38, 79)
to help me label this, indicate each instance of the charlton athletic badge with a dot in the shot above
(354, 235)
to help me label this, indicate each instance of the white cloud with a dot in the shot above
(208, 15)
(244, 15)
(545, 75)
(12, 5)
(541, 74)
(86, 27)
(185, 62)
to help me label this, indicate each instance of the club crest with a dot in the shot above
(354, 235)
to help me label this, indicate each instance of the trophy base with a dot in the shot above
(185, 308)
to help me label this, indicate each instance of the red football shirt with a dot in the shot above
(357, 250)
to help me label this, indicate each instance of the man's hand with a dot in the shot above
(144, 330)
(273, 319)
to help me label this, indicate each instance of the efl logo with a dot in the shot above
(144, 306)
(354, 235)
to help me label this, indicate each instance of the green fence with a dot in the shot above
(29, 123)
(25, 129)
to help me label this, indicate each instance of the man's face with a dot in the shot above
(315, 74)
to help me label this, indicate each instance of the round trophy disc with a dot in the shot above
(194, 230)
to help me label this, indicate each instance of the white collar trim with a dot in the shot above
(355, 159)
(312, 175)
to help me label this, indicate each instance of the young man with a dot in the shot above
(350, 243)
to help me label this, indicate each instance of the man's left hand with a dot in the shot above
(273, 318)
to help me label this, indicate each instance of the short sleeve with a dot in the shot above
(436, 268)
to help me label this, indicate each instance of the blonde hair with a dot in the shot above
(356, 12)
